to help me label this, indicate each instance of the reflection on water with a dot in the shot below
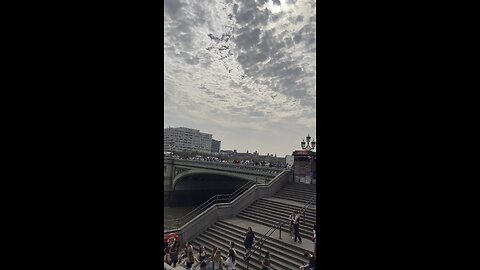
(174, 213)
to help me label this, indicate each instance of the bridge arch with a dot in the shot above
(215, 175)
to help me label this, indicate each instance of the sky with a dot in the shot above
(242, 70)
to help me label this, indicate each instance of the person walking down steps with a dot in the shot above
(296, 228)
(249, 238)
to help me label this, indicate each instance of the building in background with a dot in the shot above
(216, 146)
(183, 139)
(289, 160)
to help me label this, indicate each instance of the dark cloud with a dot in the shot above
(247, 38)
(172, 7)
(256, 114)
(260, 52)
(180, 29)
(249, 13)
(264, 55)
(288, 41)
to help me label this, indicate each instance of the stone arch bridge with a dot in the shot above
(188, 182)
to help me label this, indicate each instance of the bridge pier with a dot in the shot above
(167, 180)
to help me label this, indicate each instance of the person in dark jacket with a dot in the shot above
(296, 228)
(311, 264)
(174, 250)
(266, 265)
(249, 238)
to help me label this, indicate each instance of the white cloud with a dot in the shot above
(242, 70)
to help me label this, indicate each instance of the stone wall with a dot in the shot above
(227, 210)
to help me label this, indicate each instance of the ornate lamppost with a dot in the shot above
(172, 147)
(308, 147)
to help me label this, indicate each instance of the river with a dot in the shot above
(170, 213)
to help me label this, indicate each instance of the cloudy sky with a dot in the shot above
(242, 70)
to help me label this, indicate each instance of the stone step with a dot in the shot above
(294, 194)
(276, 254)
(274, 218)
(207, 243)
(255, 260)
(304, 233)
(304, 192)
(289, 251)
(301, 187)
(266, 212)
(290, 208)
(281, 209)
(293, 198)
(299, 192)
(284, 213)
(292, 248)
(306, 219)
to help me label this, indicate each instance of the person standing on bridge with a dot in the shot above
(249, 238)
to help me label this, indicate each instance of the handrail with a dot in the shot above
(213, 200)
(273, 228)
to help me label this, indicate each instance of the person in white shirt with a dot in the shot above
(231, 260)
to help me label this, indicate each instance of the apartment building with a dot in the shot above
(186, 139)
(216, 146)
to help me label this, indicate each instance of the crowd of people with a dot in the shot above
(183, 255)
(175, 254)
(249, 162)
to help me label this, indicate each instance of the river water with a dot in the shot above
(170, 213)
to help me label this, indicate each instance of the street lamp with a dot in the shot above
(172, 146)
(308, 147)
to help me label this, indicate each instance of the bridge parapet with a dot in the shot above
(225, 166)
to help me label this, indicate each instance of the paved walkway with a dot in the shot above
(260, 230)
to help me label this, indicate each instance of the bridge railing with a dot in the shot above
(219, 198)
(236, 166)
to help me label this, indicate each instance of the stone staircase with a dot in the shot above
(285, 255)
(268, 212)
(296, 192)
